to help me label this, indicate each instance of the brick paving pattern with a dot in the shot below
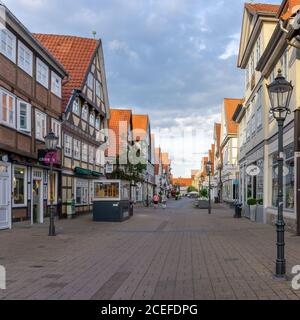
(177, 253)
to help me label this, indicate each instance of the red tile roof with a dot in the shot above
(230, 106)
(75, 54)
(262, 7)
(140, 124)
(288, 8)
(183, 182)
(119, 122)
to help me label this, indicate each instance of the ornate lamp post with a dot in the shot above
(147, 181)
(280, 93)
(208, 170)
(51, 142)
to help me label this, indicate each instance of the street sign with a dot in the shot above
(253, 171)
(109, 168)
(286, 171)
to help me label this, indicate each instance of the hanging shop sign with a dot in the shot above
(253, 171)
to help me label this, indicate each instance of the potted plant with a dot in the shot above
(203, 201)
(252, 204)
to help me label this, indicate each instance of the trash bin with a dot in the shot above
(71, 208)
(238, 210)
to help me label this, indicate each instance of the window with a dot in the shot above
(98, 89)
(42, 73)
(98, 123)
(288, 180)
(25, 58)
(98, 157)
(54, 188)
(258, 49)
(82, 192)
(19, 187)
(260, 182)
(91, 155)
(55, 84)
(8, 108)
(67, 146)
(40, 125)
(92, 119)
(76, 107)
(85, 112)
(247, 75)
(56, 128)
(24, 116)
(8, 44)
(252, 65)
(106, 190)
(76, 149)
(84, 152)
(90, 81)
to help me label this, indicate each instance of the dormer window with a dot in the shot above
(92, 119)
(76, 107)
(98, 123)
(85, 112)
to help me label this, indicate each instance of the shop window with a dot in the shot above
(19, 186)
(82, 192)
(109, 190)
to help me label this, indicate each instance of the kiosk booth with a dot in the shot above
(112, 201)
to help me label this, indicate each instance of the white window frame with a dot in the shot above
(98, 89)
(92, 114)
(28, 116)
(76, 105)
(91, 81)
(41, 66)
(76, 149)
(27, 64)
(56, 129)
(20, 205)
(40, 116)
(91, 155)
(7, 34)
(55, 84)
(8, 97)
(68, 145)
(84, 152)
(85, 111)
(98, 123)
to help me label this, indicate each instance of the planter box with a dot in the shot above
(203, 204)
(253, 213)
(247, 212)
(260, 214)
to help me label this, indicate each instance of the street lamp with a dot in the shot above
(208, 170)
(280, 93)
(147, 177)
(51, 142)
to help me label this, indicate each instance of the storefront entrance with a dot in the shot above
(37, 211)
(5, 195)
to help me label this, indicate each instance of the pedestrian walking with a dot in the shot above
(155, 201)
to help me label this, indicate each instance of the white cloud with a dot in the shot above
(121, 46)
(232, 48)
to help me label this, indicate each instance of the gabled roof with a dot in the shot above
(288, 8)
(182, 182)
(75, 54)
(120, 121)
(262, 7)
(140, 124)
(217, 136)
(230, 106)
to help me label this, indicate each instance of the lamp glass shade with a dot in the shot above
(51, 141)
(280, 93)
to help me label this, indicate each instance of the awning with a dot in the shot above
(96, 174)
(84, 172)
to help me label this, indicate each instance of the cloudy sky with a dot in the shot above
(172, 59)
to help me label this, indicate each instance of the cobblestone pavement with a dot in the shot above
(159, 254)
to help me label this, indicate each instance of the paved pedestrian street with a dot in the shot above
(177, 253)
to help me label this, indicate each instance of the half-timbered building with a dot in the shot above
(30, 107)
(85, 111)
